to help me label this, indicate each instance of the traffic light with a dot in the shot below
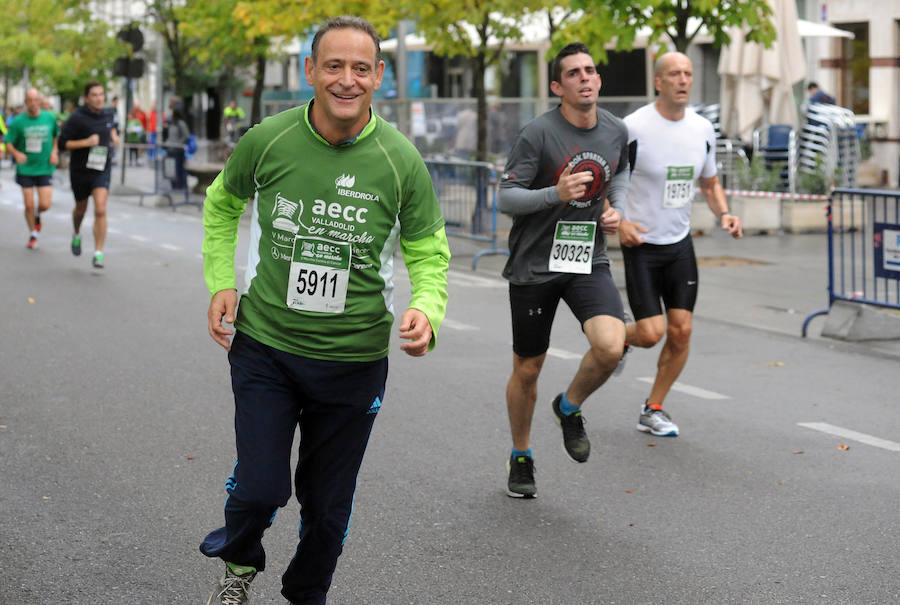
(130, 66)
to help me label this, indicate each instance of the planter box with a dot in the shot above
(802, 216)
(757, 213)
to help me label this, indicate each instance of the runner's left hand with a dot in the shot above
(415, 327)
(609, 220)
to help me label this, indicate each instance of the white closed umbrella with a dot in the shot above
(757, 82)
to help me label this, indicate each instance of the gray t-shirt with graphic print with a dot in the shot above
(540, 154)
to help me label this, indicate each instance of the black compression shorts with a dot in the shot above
(660, 272)
(534, 306)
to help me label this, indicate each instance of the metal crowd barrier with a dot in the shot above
(467, 194)
(863, 249)
(163, 170)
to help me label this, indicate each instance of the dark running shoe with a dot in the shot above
(520, 483)
(575, 440)
(76, 245)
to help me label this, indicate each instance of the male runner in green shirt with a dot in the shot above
(32, 143)
(337, 189)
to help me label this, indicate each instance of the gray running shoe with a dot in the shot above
(656, 422)
(232, 589)
(575, 440)
(520, 483)
(98, 260)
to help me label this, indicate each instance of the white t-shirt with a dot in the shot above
(668, 158)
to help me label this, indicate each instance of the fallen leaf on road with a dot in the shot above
(2, 426)
(627, 491)
(190, 457)
(46, 498)
(651, 445)
(843, 447)
(31, 300)
(797, 452)
(776, 364)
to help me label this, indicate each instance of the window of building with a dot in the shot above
(624, 74)
(853, 68)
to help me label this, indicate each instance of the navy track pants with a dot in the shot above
(334, 404)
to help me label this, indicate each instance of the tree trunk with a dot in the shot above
(256, 110)
(478, 90)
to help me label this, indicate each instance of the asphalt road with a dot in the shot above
(116, 439)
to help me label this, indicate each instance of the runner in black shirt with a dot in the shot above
(90, 135)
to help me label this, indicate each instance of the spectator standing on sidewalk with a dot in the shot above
(178, 135)
(32, 142)
(671, 149)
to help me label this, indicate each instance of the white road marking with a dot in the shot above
(171, 247)
(688, 389)
(139, 238)
(852, 435)
(462, 278)
(458, 325)
(561, 354)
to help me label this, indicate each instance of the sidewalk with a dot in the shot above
(767, 282)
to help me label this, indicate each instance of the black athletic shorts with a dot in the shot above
(667, 272)
(85, 181)
(26, 182)
(534, 306)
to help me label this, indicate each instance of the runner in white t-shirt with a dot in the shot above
(671, 150)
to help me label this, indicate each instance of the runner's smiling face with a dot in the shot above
(95, 98)
(344, 76)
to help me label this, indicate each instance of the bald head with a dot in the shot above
(663, 61)
(33, 102)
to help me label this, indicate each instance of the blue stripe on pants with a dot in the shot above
(275, 392)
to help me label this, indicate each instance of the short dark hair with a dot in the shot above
(572, 48)
(90, 85)
(811, 85)
(346, 22)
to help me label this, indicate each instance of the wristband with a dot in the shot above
(726, 213)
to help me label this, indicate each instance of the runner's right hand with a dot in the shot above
(630, 233)
(573, 186)
(93, 140)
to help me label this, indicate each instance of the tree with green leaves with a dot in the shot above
(677, 22)
(479, 30)
(252, 30)
(57, 43)
(228, 42)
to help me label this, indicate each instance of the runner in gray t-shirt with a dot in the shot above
(563, 168)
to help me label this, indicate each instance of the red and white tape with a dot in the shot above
(778, 194)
